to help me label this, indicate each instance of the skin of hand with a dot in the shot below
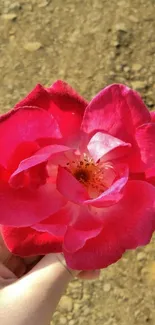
(32, 287)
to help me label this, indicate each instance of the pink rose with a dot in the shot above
(77, 177)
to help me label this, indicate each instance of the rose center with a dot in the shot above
(96, 177)
(82, 175)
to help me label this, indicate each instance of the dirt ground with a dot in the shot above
(89, 44)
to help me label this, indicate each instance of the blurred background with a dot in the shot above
(89, 44)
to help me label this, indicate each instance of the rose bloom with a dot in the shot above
(77, 177)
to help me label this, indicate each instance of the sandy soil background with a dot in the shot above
(89, 44)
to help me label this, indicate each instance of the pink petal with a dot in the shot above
(145, 136)
(26, 124)
(29, 242)
(139, 219)
(75, 239)
(58, 222)
(150, 175)
(21, 208)
(86, 220)
(23, 151)
(37, 97)
(4, 175)
(113, 194)
(95, 254)
(126, 225)
(68, 186)
(60, 93)
(39, 157)
(137, 176)
(107, 147)
(84, 227)
(150, 172)
(129, 153)
(64, 103)
(117, 110)
(152, 116)
(134, 160)
(66, 97)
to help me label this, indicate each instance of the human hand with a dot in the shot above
(32, 287)
(13, 267)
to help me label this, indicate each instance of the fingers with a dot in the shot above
(4, 252)
(6, 276)
(31, 260)
(13, 263)
(5, 273)
(19, 266)
(16, 265)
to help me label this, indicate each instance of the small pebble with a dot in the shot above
(43, 4)
(107, 287)
(138, 85)
(126, 69)
(133, 19)
(72, 322)
(121, 27)
(86, 311)
(136, 67)
(10, 17)
(62, 320)
(32, 46)
(66, 303)
(141, 256)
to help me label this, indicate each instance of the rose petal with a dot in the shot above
(68, 186)
(150, 172)
(4, 175)
(64, 103)
(134, 160)
(60, 93)
(117, 110)
(24, 125)
(129, 153)
(75, 239)
(84, 227)
(29, 242)
(107, 147)
(25, 207)
(150, 175)
(152, 116)
(39, 157)
(95, 254)
(113, 194)
(66, 97)
(128, 224)
(145, 136)
(58, 222)
(23, 151)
